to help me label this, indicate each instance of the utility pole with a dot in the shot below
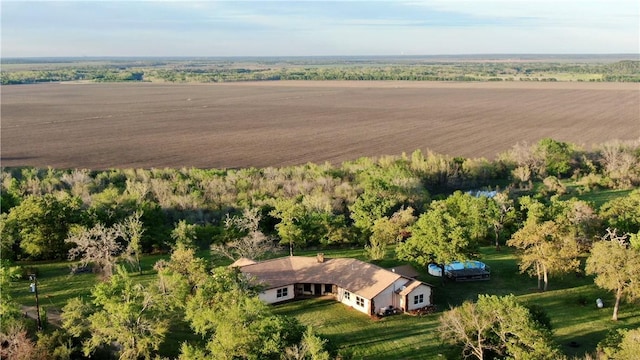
(34, 289)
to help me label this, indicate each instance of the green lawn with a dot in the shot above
(56, 285)
(597, 197)
(353, 334)
(569, 302)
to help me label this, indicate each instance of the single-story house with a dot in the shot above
(365, 287)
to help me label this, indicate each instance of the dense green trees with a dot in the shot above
(39, 225)
(182, 274)
(387, 231)
(235, 323)
(546, 157)
(294, 225)
(452, 229)
(124, 314)
(623, 213)
(556, 156)
(309, 205)
(9, 310)
(437, 237)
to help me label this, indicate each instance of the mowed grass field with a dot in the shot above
(132, 125)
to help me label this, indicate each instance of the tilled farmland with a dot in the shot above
(262, 124)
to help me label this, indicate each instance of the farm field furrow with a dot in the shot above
(287, 123)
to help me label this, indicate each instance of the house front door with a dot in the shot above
(317, 289)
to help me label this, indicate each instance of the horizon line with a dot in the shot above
(316, 56)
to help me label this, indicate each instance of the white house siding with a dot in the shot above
(270, 296)
(352, 301)
(423, 290)
(388, 296)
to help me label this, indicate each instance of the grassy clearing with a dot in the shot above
(600, 197)
(569, 302)
(56, 284)
(596, 196)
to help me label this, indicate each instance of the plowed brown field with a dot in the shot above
(262, 124)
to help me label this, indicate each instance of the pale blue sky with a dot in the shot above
(311, 28)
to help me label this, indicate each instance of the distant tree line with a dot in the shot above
(623, 71)
(96, 74)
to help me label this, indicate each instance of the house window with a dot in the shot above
(282, 292)
(347, 295)
(418, 299)
(307, 287)
(359, 301)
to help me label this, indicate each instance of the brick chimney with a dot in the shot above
(320, 257)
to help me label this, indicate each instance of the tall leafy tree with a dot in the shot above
(617, 268)
(388, 231)
(497, 327)
(9, 197)
(386, 187)
(545, 249)
(373, 204)
(133, 229)
(473, 213)
(235, 323)
(124, 313)
(555, 155)
(8, 240)
(111, 205)
(185, 234)
(623, 213)
(290, 228)
(437, 237)
(40, 225)
(500, 213)
(548, 242)
(185, 268)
